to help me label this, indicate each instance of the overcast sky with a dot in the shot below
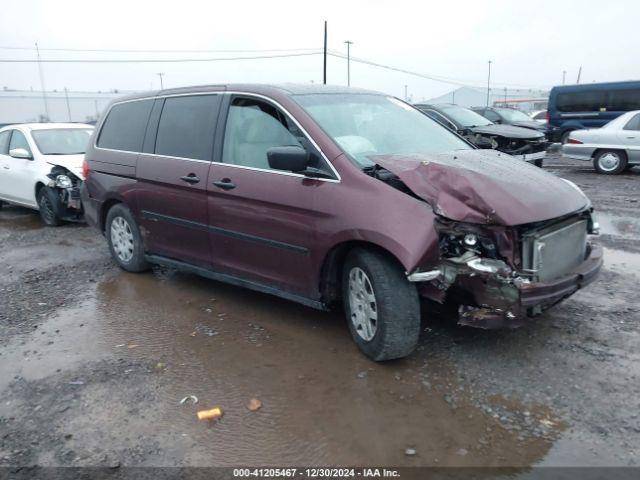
(530, 43)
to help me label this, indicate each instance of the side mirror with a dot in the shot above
(289, 158)
(20, 153)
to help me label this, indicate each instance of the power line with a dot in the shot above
(158, 60)
(126, 50)
(436, 78)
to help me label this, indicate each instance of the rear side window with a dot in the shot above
(634, 123)
(4, 142)
(186, 126)
(125, 125)
(593, 101)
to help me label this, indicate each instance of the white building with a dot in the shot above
(18, 106)
(526, 100)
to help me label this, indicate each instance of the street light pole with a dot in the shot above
(44, 90)
(66, 96)
(349, 43)
(161, 84)
(488, 83)
(564, 76)
(406, 96)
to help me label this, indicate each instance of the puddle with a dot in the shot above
(323, 402)
(625, 227)
(622, 262)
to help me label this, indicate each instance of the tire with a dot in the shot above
(539, 162)
(124, 239)
(371, 278)
(610, 162)
(46, 199)
(565, 136)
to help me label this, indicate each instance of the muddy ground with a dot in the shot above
(94, 362)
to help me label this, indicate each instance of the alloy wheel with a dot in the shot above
(609, 161)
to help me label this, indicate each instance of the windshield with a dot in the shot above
(464, 116)
(368, 125)
(513, 115)
(62, 141)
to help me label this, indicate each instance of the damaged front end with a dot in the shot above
(500, 276)
(524, 148)
(65, 187)
(512, 241)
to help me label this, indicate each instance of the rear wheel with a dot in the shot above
(381, 305)
(565, 137)
(610, 162)
(46, 205)
(124, 239)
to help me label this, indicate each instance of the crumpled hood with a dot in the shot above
(485, 187)
(73, 163)
(508, 131)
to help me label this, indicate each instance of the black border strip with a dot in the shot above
(222, 231)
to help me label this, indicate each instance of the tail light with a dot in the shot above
(574, 141)
(85, 169)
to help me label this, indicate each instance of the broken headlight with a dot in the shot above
(454, 244)
(63, 181)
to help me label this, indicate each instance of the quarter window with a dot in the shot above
(18, 140)
(253, 127)
(124, 127)
(186, 126)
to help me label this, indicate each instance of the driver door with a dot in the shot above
(18, 174)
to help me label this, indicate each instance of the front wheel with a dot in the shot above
(381, 305)
(46, 206)
(610, 162)
(124, 239)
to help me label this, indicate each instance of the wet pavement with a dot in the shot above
(94, 362)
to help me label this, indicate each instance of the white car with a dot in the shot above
(539, 116)
(613, 148)
(41, 168)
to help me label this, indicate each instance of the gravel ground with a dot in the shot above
(94, 362)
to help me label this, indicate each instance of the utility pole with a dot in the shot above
(44, 92)
(505, 96)
(579, 74)
(489, 83)
(324, 55)
(349, 43)
(161, 84)
(66, 96)
(564, 76)
(453, 97)
(406, 96)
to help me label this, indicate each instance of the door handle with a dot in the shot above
(191, 178)
(6, 167)
(631, 137)
(225, 184)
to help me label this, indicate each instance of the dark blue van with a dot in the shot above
(591, 105)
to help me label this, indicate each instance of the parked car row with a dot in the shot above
(529, 144)
(325, 196)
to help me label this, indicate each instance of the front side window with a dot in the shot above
(367, 125)
(4, 142)
(186, 126)
(62, 141)
(491, 115)
(18, 140)
(124, 126)
(253, 127)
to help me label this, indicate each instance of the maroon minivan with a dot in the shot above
(328, 196)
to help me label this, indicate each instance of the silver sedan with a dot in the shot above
(612, 148)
